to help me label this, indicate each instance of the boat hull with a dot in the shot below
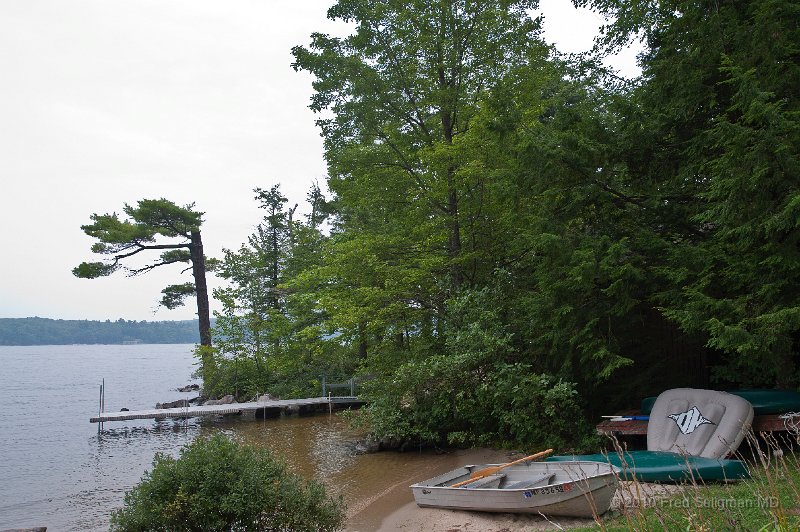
(661, 466)
(578, 489)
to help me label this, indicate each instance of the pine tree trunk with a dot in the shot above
(199, 272)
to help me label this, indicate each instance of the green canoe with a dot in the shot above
(660, 466)
(763, 401)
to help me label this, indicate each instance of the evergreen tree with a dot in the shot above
(713, 137)
(149, 222)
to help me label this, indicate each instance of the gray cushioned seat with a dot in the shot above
(698, 422)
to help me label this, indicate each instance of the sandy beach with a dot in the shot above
(411, 518)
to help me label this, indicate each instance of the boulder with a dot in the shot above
(367, 446)
(180, 403)
(189, 388)
(227, 400)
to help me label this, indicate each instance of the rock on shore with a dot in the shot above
(227, 400)
(180, 403)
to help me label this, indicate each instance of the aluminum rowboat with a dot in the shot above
(575, 489)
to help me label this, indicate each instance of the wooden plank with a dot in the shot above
(635, 427)
(770, 423)
(629, 427)
(233, 408)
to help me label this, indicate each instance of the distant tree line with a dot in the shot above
(45, 331)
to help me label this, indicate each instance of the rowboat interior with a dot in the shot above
(519, 477)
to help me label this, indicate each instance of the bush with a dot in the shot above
(536, 409)
(220, 484)
(476, 391)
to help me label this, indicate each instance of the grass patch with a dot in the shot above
(768, 501)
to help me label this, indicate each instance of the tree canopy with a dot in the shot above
(506, 224)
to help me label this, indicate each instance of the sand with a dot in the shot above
(411, 518)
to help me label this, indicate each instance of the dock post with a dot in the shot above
(100, 409)
(352, 387)
(324, 394)
(103, 400)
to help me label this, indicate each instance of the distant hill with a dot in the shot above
(44, 331)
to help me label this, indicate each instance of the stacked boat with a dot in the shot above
(691, 435)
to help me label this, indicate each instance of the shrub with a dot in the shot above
(220, 484)
(479, 389)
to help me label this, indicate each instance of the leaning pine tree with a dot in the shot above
(149, 223)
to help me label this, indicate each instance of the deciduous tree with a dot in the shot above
(403, 88)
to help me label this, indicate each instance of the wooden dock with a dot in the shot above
(234, 408)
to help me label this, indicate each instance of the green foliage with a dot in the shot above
(163, 217)
(766, 502)
(514, 235)
(270, 335)
(218, 484)
(148, 219)
(176, 255)
(122, 239)
(715, 136)
(402, 89)
(93, 270)
(439, 403)
(536, 408)
(174, 295)
(475, 392)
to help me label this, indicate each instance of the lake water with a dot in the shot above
(57, 471)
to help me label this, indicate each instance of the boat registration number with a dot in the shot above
(548, 490)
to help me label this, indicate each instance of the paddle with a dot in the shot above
(492, 470)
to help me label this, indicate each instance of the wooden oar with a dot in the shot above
(476, 475)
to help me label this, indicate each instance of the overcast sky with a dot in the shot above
(104, 102)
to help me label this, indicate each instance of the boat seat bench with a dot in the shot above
(486, 481)
(544, 480)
